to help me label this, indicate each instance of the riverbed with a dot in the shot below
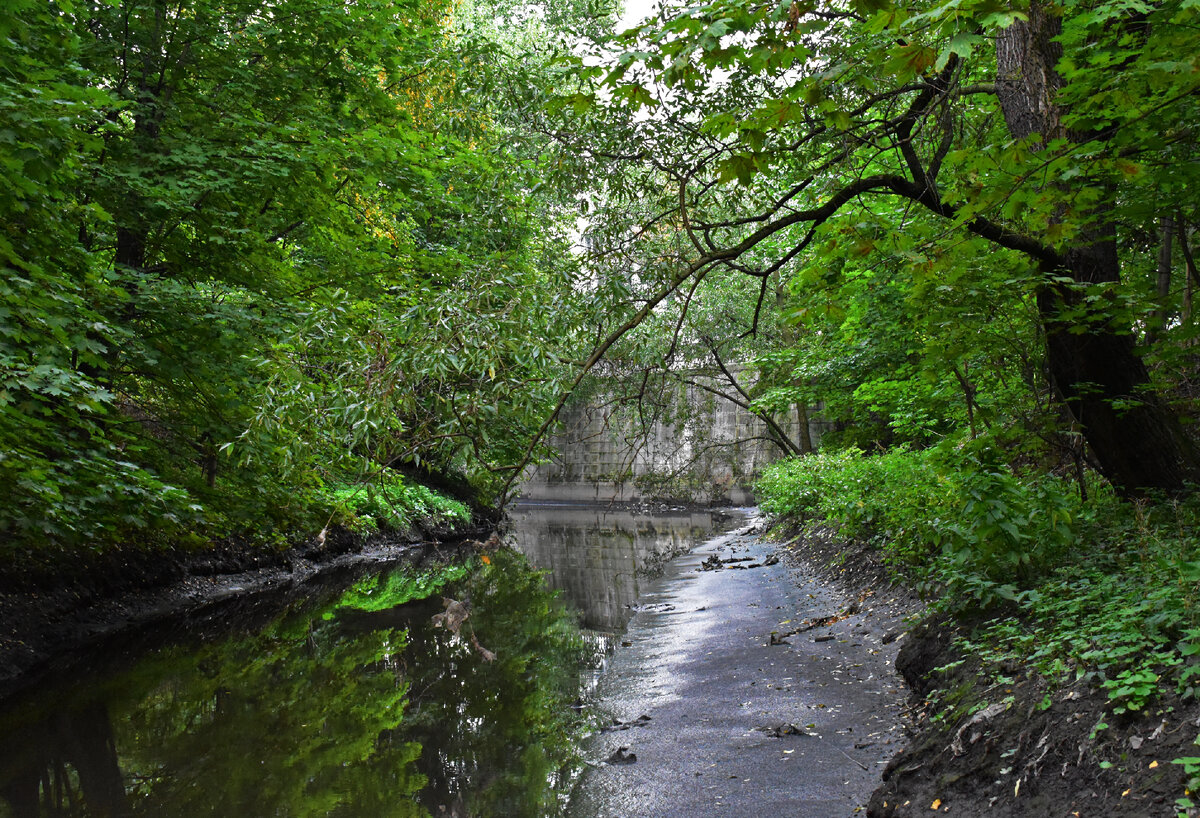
(631, 671)
(747, 686)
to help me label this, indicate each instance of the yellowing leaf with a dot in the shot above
(937, 803)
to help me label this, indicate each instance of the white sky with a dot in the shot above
(635, 12)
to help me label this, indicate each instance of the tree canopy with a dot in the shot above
(255, 252)
(967, 149)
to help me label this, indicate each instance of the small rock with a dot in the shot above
(781, 730)
(617, 724)
(622, 756)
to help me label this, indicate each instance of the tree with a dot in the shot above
(253, 249)
(767, 122)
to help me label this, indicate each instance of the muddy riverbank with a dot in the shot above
(1000, 741)
(754, 677)
(748, 685)
(45, 627)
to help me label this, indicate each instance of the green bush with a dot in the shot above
(1106, 590)
(951, 514)
(896, 498)
(391, 502)
(1005, 532)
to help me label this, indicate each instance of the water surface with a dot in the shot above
(373, 698)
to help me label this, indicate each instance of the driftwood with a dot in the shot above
(821, 621)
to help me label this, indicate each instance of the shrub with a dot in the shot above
(951, 514)
(895, 498)
(392, 502)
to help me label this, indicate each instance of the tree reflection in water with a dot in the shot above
(351, 706)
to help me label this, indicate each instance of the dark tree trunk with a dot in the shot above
(1094, 365)
(1136, 439)
(1026, 79)
(90, 747)
(806, 441)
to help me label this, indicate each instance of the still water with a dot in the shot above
(432, 688)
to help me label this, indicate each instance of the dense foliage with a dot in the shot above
(254, 252)
(963, 192)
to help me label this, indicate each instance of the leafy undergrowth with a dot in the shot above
(1099, 597)
(331, 519)
(396, 504)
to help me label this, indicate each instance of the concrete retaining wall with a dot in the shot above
(710, 456)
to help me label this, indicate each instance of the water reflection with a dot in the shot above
(351, 701)
(598, 557)
(351, 705)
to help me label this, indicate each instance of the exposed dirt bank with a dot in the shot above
(100, 596)
(1001, 741)
(1010, 744)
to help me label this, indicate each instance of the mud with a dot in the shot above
(1012, 746)
(748, 686)
(1000, 741)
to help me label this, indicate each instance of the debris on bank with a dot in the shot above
(1002, 742)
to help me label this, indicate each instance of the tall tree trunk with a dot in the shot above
(1162, 288)
(1167, 227)
(1189, 263)
(1185, 311)
(1136, 439)
(802, 418)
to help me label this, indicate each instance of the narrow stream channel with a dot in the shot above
(359, 696)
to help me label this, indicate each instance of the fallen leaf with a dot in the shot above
(1153, 764)
(486, 559)
(937, 802)
(1126, 793)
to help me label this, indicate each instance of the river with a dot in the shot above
(432, 688)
